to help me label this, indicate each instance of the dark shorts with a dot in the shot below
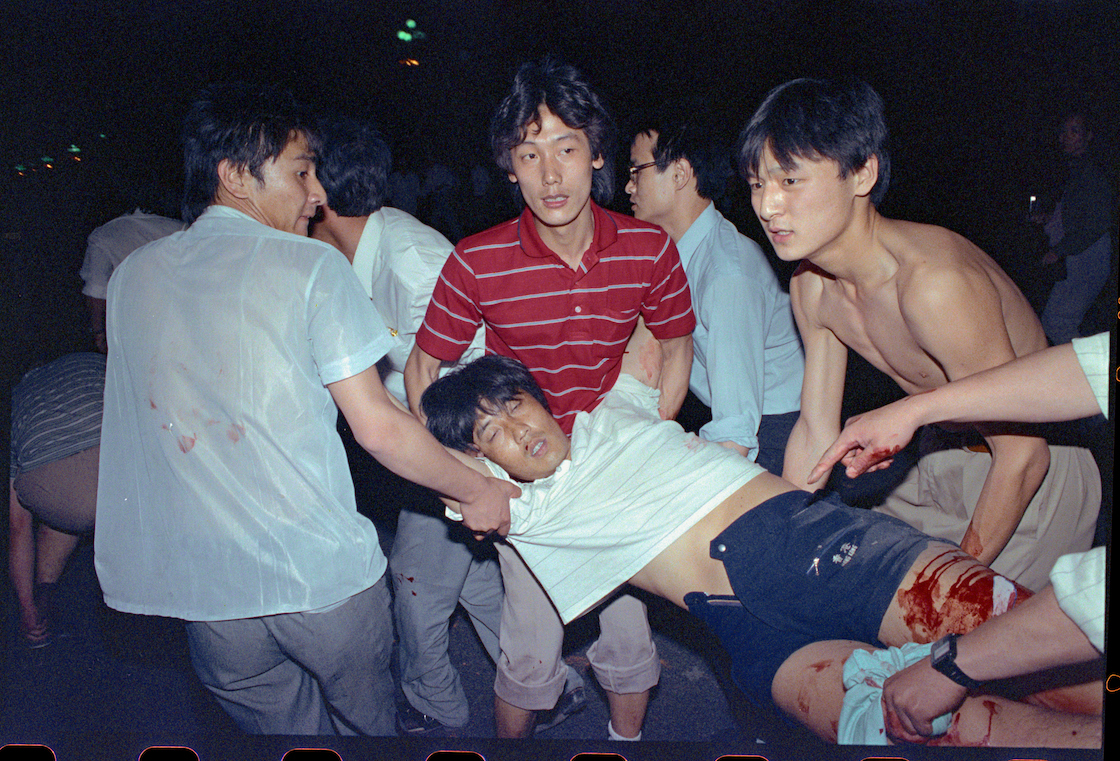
(804, 569)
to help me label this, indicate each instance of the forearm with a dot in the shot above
(97, 322)
(1034, 635)
(21, 549)
(1019, 464)
(402, 444)
(803, 450)
(676, 366)
(1045, 386)
(420, 371)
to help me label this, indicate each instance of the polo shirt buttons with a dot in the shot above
(721, 548)
(579, 309)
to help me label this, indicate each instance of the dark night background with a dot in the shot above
(974, 92)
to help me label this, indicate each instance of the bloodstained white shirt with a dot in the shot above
(224, 490)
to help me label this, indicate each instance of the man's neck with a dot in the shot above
(688, 209)
(856, 256)
(343, 233)
(569, 241)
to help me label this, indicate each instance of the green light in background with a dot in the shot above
(410, 24)
(403, 35)
(74, 149)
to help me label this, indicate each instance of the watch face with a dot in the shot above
(940, 649)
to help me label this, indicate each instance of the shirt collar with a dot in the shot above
(697, 232)
(605, 235)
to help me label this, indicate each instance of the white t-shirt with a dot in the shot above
(1078, 580)
(109, 244)
(1092, 353)
(633, 485)
(398, 260)
(224, 490)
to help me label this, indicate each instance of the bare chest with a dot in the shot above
(871, 324)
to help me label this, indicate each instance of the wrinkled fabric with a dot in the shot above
(224, 489)
(861, 718)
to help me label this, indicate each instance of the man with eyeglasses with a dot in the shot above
(562, 288)
(747, 362)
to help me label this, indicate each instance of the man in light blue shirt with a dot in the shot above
(747, 359)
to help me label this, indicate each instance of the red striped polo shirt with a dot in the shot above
(569, 327)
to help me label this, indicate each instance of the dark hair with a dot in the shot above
(453, 403)
(561, 88)
(686, 129)
(840, 120)
(353, 166)
(244, 124)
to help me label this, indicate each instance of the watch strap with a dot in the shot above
(944, 660)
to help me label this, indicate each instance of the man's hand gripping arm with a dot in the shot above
(398, 441)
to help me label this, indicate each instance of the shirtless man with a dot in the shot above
(923, 305)
(713, 533)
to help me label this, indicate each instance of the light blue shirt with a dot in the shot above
(747, 358)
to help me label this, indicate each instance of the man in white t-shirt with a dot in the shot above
(106, 248)
(791, 582)
(224, 494)
(434, 565)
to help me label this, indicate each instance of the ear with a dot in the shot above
(512, 178)
(866, 176)
(598, 162)
(682, 173)
(234, 180)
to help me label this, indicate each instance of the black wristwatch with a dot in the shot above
(943, 657)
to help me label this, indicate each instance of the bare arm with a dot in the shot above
(822, 392)
(1032, 636)
(97, 323)
(1019, 463)
(21, 564)
(1048, 385)
(420, 371)
(675, 369)
(399, 442)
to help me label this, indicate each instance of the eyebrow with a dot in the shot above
(570, 135)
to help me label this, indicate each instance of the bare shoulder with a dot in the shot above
(936, 265)
(806, 288)
(942, 273)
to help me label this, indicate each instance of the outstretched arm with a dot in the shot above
(1032, 636)
(399, 442)
(1048, 385)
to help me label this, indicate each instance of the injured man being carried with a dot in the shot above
(791, 582)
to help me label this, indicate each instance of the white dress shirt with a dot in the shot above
(398, 260)
(224, 490)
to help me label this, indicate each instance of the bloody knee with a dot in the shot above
(953, 593)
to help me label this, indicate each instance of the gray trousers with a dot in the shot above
(314, 673)
(434, 569)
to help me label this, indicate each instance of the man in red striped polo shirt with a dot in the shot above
(561, 288)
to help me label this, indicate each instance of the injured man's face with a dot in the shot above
(522, 437)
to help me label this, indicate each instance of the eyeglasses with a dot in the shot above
(633, 171)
